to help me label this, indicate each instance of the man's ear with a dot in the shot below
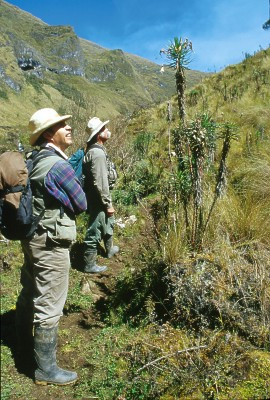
(48, 134)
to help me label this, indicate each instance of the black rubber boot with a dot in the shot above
(110, 249)
(90, 265)
(24, 328)
(45, 341)
(24, 339)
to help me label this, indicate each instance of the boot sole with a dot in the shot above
(95, 272)
(44, 383)
(112, 255)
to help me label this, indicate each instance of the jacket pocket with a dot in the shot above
(65, 229)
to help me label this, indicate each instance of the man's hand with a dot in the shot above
(110, 211)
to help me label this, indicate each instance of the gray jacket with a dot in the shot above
(96, 184)
(59, 227)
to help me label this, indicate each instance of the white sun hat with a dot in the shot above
(42, 120)
(94, 126)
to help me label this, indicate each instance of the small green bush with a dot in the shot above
(3, 94)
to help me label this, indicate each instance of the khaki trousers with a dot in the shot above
(44, 279)
(99, 228)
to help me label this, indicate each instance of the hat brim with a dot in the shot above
(96, 130)
(36, 134)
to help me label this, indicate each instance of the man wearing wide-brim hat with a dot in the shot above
(100, 175)
(58, 198)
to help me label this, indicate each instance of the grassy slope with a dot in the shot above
(239, 94)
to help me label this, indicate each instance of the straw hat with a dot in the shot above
(94, 126)
(42, 120)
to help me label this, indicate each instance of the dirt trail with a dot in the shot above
(84, 324)
(100, 287)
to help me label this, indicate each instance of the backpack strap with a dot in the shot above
(37, 155)
(12, 189)
(98, 146)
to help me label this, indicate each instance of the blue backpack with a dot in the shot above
(76, 161)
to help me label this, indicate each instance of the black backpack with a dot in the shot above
(17, 221)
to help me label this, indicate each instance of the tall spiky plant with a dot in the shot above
(178, 53)
(229, 133)
(194, 144)
(193, 151)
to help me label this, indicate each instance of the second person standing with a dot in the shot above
(97, 170)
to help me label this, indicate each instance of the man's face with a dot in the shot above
(60, 135)
(105, 133)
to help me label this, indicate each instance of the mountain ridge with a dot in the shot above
(50, 66)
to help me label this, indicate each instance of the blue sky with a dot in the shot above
(222, 31)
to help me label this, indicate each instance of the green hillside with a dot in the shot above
(50, 66)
